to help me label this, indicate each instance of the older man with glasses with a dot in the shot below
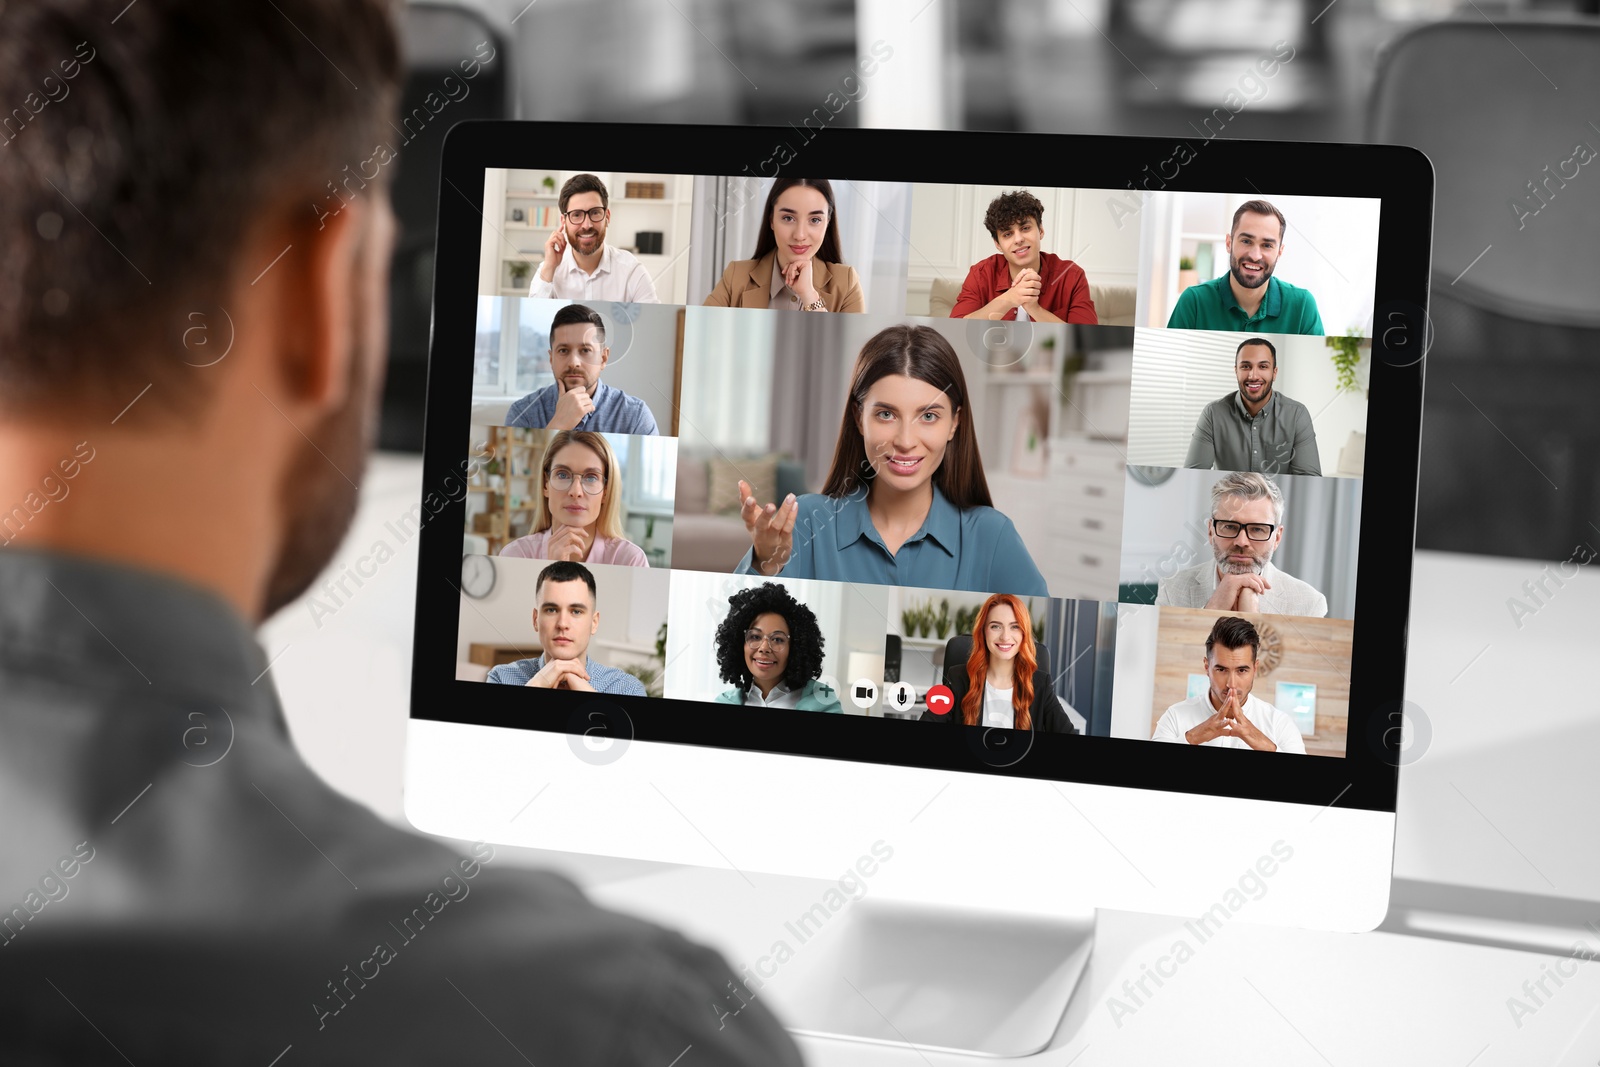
(1245, 530)
(578, 264)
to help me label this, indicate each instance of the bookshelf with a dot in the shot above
(509, 240)
(501, 501)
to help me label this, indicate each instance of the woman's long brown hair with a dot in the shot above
(828, 251)
(919, 352)
(1026, 663)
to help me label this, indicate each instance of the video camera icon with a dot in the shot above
(864, 693)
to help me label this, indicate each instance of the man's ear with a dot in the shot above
(605, 356)
(314, 296)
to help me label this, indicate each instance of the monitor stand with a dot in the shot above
(946, 979)
(873, 969)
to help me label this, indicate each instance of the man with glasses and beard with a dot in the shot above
(1246, 528)
(1256, 428)
(1248, 297)
(578, 263)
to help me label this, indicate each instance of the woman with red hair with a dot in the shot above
(1002, 684)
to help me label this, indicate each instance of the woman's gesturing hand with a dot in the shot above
(771, 529)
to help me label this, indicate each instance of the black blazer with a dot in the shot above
(1048, 714)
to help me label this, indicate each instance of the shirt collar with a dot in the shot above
(131, 629)
(942, 526)
(1244, 412)
(569, 262)
(1271, 303)
(780, 690)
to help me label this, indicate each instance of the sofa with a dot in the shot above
(707, 532)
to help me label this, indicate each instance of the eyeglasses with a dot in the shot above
(1255, 531)
(594, 214)
(778, 641)
(561, 482)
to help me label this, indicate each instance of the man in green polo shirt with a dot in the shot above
(1248, 297)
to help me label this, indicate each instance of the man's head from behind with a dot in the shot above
(1231, 650)
(196, 275)
(1246, 522)
(565, 611)
(578, 351)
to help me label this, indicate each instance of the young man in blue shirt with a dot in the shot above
(577, 399)
(564, 613)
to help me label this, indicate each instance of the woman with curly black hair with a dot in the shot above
(770, 648)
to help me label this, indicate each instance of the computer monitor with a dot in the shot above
(956, 511)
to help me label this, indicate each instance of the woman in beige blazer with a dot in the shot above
(797, 264)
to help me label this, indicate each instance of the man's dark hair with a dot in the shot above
(583, 183)
(1260, 207)
(1232, 632)
(805, 636)
(1009, 209)
(1257, 341)
(572, 315)
(138, 153)
(565, 570)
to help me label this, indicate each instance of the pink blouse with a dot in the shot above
(617, 551)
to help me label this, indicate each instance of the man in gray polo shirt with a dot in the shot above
(1245, 529)
(1256, 428)
(177, 886)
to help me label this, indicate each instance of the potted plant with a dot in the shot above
(925, 619)
(1187, 275)
(1346, 356)
(519, 271)
(941, 625)
(549, 183)
(908, 622)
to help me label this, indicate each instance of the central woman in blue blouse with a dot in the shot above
(905, 501)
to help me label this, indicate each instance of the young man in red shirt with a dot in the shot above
(1020, 281)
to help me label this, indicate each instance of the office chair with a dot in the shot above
(436, 38)
(1510, 442)
(959, 647)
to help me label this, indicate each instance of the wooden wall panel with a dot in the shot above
(1316, 651)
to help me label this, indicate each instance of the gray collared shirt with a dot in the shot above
(223, 903)
(1278, 439)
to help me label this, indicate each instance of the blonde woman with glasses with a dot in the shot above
(578, 516)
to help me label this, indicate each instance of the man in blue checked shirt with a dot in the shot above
(577, 399)
(566, 618)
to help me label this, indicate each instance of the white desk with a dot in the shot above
(1504, 796)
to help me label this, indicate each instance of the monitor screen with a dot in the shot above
(1064, 481)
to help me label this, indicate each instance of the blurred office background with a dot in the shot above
(1494, 92)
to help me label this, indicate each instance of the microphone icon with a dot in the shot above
(900, 696)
